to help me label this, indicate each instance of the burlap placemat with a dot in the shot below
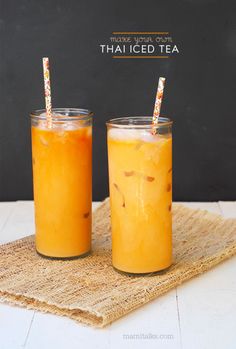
(88, 290)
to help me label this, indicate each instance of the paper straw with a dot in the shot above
(158, 101)
(47, 91)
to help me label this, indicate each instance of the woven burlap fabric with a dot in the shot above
(88, 290)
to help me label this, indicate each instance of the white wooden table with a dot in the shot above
(199, 314)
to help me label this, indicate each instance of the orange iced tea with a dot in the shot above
(62, 176)
(140, 182)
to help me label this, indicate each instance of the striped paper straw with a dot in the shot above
(47, 91)
(158, 101)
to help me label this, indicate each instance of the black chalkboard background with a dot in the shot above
(199, 94)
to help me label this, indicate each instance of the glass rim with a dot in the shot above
(79, 114)
(140, 122)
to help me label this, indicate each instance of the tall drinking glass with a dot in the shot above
(62, 176)
(140, 182)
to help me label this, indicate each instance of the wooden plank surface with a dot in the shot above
(15, 323)
(207, 303)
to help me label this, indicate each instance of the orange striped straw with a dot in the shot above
(47, 91)
(157, 106)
